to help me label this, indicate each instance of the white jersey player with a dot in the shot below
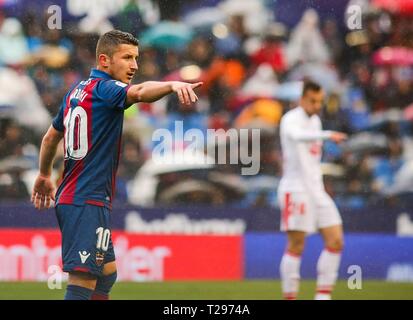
(305, 205)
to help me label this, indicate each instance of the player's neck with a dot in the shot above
(105, 70)
(306, 112)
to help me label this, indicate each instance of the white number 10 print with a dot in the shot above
(76, 129)
(103, 238)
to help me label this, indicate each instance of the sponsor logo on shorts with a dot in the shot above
(83, 256)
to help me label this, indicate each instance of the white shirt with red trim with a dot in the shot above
(301, 142)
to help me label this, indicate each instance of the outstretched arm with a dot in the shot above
(151, 91)
(296, 132)
(306, 136)
(44, 190)
(299, 134)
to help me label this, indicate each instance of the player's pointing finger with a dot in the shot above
(196, 85)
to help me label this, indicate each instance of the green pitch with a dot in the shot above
(264, 290)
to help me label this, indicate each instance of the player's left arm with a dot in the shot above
(295, 131)
(151, 91)
(44, 189)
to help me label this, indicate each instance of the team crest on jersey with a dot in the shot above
(121, 84)
(315, 148)
(99, 258)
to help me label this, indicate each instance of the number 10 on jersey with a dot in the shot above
(76, 140)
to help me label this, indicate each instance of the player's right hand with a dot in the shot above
(43, 192)
(338, 137)
(185, 91)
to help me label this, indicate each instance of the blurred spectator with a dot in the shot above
(232, 43)
(333, 39)
(222, 78)
(129, 19)
(12, 187)
(306, 43)
(13, 44)
(272, 49)
(11, 140)
(355, 109)
(387, 166)
(131, 159)
(19, 94)
(360, 185)
(263, 83)
(200, 52)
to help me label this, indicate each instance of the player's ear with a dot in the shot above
(103, 60)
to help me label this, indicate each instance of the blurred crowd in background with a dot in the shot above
(252, 67)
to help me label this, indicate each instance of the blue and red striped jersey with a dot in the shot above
(91, 118)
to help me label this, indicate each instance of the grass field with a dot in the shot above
(249, 290)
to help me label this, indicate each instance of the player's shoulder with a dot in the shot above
(109, 83)
(292, 115)
(109, 87)
(316, 119)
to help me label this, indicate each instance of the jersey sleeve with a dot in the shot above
(57, 122)
(294, 131)
(113, 92)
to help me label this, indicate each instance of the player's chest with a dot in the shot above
(314, 148)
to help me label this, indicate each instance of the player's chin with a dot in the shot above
(127, 80)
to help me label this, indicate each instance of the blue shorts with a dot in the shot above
(86, 238)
